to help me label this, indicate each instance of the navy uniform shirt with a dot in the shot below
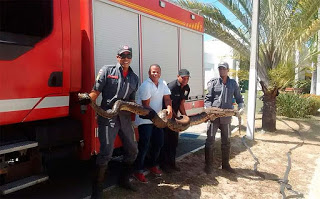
(220, 95)
(178, 94)
(114, 86)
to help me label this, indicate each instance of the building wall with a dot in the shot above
(216, 51)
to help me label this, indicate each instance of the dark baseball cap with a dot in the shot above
(224, 65)
(124, 48)
(184, 72)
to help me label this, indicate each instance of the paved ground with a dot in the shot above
(270, 148)
(314, 191)
(194, 138)
(72, 178)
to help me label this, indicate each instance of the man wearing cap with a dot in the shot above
(220, 94)
(115, 82)
(179, 93)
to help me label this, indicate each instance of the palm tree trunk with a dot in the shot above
(269, 108)
(269, 112)
(318, 62)
(313, 87)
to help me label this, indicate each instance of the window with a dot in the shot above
(23, 24)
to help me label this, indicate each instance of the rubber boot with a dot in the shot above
(225, 153)
(209, 160)
(97, 185)
(173, 163)
(174, 166)
(124, 180)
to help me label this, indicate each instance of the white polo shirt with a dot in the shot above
(148, 90)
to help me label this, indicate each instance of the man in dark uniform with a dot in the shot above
(220, 94)
(179, 93)
(116, 82)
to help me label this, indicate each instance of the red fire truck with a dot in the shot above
(50, 50)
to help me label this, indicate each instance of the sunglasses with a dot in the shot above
(123, 56)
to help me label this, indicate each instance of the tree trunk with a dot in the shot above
(269, 112)
(313, 79)
(269, 107)
(318, 61)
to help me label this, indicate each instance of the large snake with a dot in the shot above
(160, 120)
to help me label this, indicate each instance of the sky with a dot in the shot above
(224, 11)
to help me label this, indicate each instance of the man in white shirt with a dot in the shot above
(151, 94)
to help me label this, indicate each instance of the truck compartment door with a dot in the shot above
(160, 46)
(191, 59)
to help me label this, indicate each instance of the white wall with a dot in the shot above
(216, 51)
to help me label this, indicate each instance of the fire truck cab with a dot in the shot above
(50, 50)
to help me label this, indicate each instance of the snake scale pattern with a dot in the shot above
(160, 120)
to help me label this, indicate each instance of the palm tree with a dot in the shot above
(284, 26)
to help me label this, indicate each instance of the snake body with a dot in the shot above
(160, 120)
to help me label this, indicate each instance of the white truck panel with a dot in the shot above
(191, 59)
(159, 46)
(113, 27)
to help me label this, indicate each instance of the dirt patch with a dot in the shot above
(271, 150)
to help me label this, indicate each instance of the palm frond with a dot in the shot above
(217, 32)
(247, 7)
(214, 15)
(285, 26)
(309, 32)
(234, 7)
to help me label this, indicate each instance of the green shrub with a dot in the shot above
(296, 106)
(305, 85)
(244, 85)
(314, 103)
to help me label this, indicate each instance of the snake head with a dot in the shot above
(84, 98)
(239, 112)
(163, 114)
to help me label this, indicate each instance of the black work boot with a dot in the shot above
(124, 180)
(175, 167)
(97, 185)
(173, 162)
(209, 160)
(225, 153)
(166, 168)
